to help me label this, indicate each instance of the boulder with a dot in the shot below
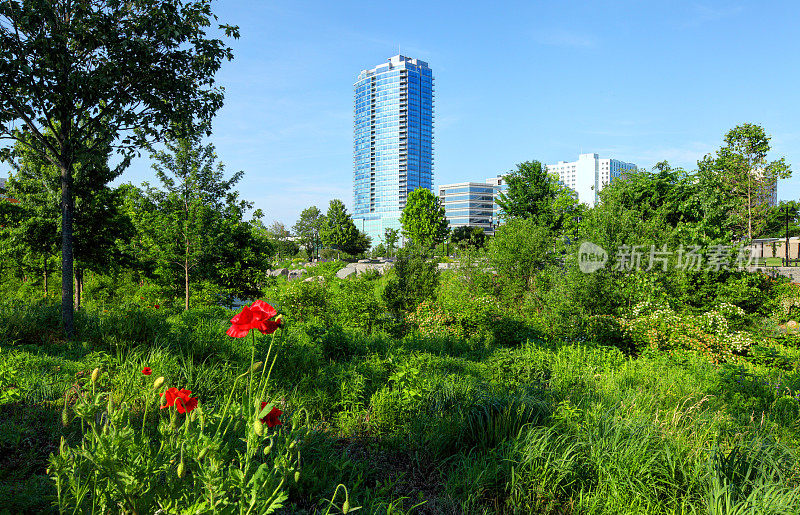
(279, 271)
(346, 272)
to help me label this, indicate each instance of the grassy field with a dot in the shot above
(422, 423)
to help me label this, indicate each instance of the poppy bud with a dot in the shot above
(296, 476)
(62, 447)
(202, 454)
(346, 506)
(180, 470)
(267, 450)
(256, 366)
(293, 445)
(65, 414)
(95, 375)
(158, 382)
(258, 427)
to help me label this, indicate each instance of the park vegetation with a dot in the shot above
(173, 373)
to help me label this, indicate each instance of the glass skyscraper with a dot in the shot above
(393, 141)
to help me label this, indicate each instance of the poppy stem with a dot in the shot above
(250, 385)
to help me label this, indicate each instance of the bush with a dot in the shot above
(412, 279)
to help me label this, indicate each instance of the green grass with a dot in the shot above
(460, 426)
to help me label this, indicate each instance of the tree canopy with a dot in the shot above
(339, 232)
(79, 74)
(307, 228)
(423, 219)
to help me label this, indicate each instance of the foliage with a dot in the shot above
(119, 465)
(746, 177)
(308, 227)
(534, 193)
(391, 238)
(340, 233)
(412, 279)
(423, 219)
(521, 248)
(78, 75)
(191, 227)
(468, 237)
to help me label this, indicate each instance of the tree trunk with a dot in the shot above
(749, 207)
(78, 287)
(186, 283)
(67, 209)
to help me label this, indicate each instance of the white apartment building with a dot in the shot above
(589, 174)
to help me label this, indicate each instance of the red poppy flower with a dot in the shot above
(241, 323)
(181, 399)
(169, 397)
(156, 306)
(147, 371)
(255, 316)
(271, 419)
(184, 402)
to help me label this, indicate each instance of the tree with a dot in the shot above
(530, 193)
(307, 229)
(468, 237)
(192, 217)
(390, 237)
(423, 219)
(78, 74)
(100, 224)
(775, 223)
(746, 177)
(359, 245)
(520, 249)
(339, 232)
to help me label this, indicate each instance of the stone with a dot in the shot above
(279, 271)
(346, 272)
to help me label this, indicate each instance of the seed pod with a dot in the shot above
(256, 366)
(202, 454)
(346, 506)
(180, 470)
(267, 450)
(296, 476)
(62, 447)
(258, 427)
(95, 375)
(65, 414)
(293, 445)
(158, 382)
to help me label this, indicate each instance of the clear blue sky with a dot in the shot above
(513, 81)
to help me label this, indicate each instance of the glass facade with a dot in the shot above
(471, 204)
(393, 141)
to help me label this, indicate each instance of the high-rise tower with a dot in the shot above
(393, 141)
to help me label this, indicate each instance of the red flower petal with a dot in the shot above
(269, 326)
(241, 323)
(169, 397)
(147, 371)
(262, 311)
(271, 419)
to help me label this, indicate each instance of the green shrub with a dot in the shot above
(411, 280)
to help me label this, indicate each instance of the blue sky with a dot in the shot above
(514, 81)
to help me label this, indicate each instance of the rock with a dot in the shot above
(279, 271)
(314, 278)
(293, 274)
(365, 261)
(346, 272)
